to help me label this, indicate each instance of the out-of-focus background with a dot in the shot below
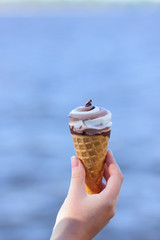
(54, 57)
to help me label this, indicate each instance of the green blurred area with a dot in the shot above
(27, 8)
(80, 1)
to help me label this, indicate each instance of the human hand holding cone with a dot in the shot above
(90, 128)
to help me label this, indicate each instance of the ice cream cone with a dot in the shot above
(92, 150)
(90, 127)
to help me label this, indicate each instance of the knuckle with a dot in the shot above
(120, 176)
(111, 209)
(110, 205)
(113, 212)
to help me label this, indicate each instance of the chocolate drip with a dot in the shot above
(91, 132)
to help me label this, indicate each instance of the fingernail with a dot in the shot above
(111, 158)
(74, 162)
(110, 151)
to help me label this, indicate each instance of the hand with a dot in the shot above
(82, 216)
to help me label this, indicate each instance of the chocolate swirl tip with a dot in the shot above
(89, 103)
(89, 106)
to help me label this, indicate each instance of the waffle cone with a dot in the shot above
(92, 150)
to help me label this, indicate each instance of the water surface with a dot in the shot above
(50, 64)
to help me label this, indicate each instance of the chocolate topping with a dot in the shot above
(91, 132)
(89, 103)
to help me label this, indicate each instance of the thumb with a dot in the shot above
(77, 185)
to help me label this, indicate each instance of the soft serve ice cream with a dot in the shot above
(90, 120)
(90, 127)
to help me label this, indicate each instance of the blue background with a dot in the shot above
(53, 59)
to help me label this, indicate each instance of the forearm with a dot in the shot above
(69, 229)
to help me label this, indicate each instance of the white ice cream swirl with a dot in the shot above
(90, 120)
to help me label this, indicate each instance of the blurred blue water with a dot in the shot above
(48, 66)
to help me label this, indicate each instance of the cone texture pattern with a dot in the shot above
(92, 150)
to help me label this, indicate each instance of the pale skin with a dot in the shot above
(82, 215)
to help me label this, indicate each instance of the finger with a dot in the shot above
(77, 185)
(103, 185)
(115, 180)
(106, 172)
